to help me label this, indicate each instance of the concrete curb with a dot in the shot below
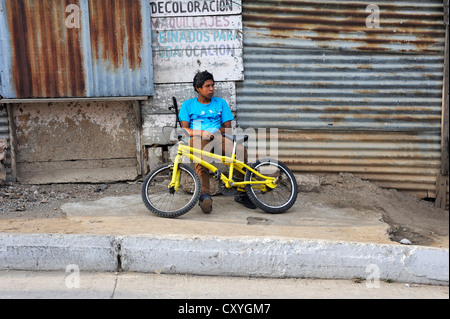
(259, 257)
(55, 252)
(282, 258)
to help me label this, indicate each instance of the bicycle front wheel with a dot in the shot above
(279, 199)
(166, 202)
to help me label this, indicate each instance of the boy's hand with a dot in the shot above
(207, 136)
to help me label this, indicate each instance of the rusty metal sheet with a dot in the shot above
(80, 48)
(401, 160)
(346, 97)
(329, 90)
(403, 26)
(42, 51)
(122, 62)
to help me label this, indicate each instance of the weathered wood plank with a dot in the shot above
(173, 42)
(89, 171)
(442, 192)
(156, 114)
(162, 100)
(196, 23)
(224, 62)
(152, 130)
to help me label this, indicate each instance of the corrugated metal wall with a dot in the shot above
(4, 133)
(346, 97)
(75, 48)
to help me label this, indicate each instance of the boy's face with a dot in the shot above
(207, 90)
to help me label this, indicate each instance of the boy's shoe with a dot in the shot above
(205, 203)
(242, 198)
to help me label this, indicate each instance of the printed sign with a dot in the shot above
(196, 35)
(195, 7)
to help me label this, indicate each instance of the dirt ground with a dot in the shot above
(408, 217)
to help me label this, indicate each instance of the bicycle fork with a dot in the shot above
(176, 173)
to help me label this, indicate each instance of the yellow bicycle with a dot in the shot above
(174, 188)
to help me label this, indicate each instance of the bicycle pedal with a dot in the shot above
(217, 175)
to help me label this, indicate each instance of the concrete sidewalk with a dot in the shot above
(205, 289)
(309, 241)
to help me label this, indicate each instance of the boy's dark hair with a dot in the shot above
(200, 79)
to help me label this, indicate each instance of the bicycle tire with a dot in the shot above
(163, 202)
(285, 194)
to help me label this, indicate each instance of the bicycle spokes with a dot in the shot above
(275, 196)
(171, 201)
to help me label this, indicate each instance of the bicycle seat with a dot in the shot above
(236, 138)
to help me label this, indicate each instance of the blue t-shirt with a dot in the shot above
(206, 117)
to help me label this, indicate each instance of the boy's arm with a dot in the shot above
(206, 135)
(226, 127)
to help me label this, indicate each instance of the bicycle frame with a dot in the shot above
(232, 162)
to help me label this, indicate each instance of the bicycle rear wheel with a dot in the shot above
(279, 199)
(168, 203)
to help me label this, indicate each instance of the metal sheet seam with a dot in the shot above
(86, 44)
(5, 57)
